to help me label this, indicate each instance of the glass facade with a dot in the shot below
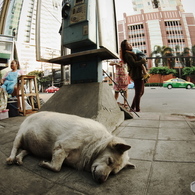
(21, 23)
(13, 18)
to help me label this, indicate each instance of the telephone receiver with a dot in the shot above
(65, 8)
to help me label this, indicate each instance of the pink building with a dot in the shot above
(158, 28)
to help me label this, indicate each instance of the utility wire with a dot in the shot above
(51, 14)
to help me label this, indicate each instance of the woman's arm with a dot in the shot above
(4, 77)
(20, 72)
(130, 52)
(115, 63)
(130, 60)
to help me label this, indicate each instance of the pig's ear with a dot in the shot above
(130, 166)
(121, 148)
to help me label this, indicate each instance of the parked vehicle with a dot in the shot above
(177, 83)
(52, 89)
(131, 85)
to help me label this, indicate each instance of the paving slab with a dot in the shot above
(148, 115)
(182, 151)
(141, 149)
(141, 123)
(179, 124)
(171, 178)
(139, 133)
(176, 134)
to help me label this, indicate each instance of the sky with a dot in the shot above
(125, 6)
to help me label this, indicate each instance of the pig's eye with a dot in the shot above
(110, 161)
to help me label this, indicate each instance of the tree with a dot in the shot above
(157, 53)
(43, 81)
(184, 57)
(193, 54)
(166, 52)
(177, 48)
(168, 61)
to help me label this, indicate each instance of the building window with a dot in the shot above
(155, 3)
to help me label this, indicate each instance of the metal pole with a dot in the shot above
(121, 92)
(3, 15)
(37, 31)
(98, 19)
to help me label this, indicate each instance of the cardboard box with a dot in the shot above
(4, 114)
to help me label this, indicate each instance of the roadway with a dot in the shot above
(159, 99)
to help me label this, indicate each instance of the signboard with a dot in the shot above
(107, 25)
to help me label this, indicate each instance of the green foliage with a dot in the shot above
(187, 71)
(43, 81)
(36, 73)
(162, 70)
(193, 50)
(164, 51)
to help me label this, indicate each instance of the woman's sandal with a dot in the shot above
(126, 106)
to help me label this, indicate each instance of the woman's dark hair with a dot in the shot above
(17, 63)
(123, 49)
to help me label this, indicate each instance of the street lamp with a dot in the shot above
(52, 70)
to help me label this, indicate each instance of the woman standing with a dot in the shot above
(135, 72)
(121, 80)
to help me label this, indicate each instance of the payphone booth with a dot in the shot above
(79, 25)
(79, 34)
(89, 30)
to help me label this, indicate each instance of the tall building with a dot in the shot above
(13, 18)
(153, 5)
(1, 5)
(21, 22)
(161, 24)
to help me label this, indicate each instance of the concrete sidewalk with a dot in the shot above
(163, 149)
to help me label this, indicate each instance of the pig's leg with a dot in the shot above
(58, 157)
(20, 156)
